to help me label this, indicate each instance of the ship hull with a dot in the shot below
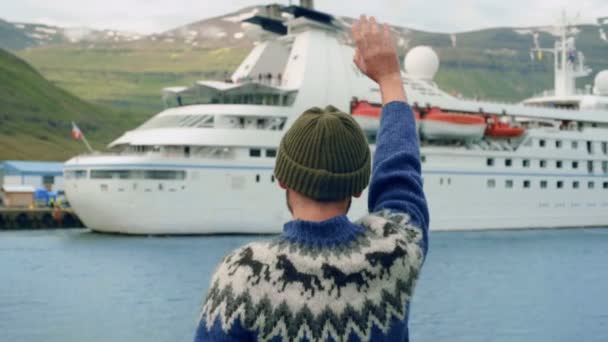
(231, 198)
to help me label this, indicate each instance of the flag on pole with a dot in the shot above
(76, 132)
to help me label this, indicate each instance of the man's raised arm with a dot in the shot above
(396, 182)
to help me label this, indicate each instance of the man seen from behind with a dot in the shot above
(326, 278)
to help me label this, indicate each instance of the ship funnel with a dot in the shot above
(310, 4)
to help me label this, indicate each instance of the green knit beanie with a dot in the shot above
(324, 156)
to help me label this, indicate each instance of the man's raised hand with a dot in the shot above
(376, 57)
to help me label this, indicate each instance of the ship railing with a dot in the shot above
(532, 105)
(546, 93)
(203, 152)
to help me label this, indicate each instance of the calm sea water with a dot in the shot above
(476, 286)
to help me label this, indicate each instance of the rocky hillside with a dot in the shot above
(17, 36)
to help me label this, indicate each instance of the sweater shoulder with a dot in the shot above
(387, 222)
(248, 258)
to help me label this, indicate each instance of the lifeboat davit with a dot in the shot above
(368, 114)
(498, 129)
(440, 125)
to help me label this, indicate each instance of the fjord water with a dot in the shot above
(71, 285)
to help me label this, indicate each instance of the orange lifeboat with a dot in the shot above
(368, 114)
(498, 129)
(364, 108)
(440, 125)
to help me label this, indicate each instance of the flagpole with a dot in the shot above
(84, 139)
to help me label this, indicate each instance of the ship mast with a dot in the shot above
(569, 64)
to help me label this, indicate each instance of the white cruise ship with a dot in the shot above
(205, 164)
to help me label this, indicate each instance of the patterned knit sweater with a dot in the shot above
(333, 280)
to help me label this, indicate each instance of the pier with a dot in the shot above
(38, 218)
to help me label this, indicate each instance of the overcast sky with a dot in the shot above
(149, 16)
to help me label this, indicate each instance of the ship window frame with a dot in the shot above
(591, 185)
(575, 184)
(508, 162)
(509, 184)
(271, 153)
(575, 164)
(526, 184)
(558, 144)
(559, 164)
(543, 184)
(542, 142)
(165, 174)
(542, 163)
(525, 163)
(574, 145)
(605, 185)
(255, 152)
(491, 183)
(490, 161)
(559, 184)
(76, 174)
(257, 178)
(148, 174)
(590, 166)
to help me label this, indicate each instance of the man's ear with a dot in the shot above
(282, 186)
(357, 195)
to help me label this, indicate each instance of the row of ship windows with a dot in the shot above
(137, 174)
(544, 184)
(127, 174)
(574, 144)
(161, 186)
(258, 178)
(256, 153)
(543, 164)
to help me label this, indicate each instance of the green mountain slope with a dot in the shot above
(130, 75)
(492, 64)
(126, 72)
(36, 115)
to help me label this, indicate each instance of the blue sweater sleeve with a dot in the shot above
(396, 182)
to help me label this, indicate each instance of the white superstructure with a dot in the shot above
(205, 164)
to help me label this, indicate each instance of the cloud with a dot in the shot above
(438, 15)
